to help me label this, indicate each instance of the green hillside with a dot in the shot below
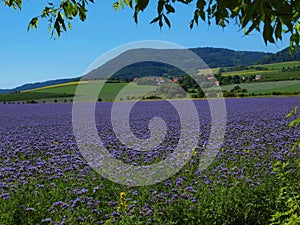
(108, 92)
(281, 56)
(30, 96)
(66, 92)
(275, 78)
(268, 72)
(285, 87)
(213, 58)
(279, 66)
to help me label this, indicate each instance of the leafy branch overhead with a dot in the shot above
(61, 16)
(270, 17)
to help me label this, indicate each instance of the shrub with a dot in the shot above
(288, 172)
(31, 102)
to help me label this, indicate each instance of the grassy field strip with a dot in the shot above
(274, 70)
(263, 87)
(56, 85)
(208, 71)
(276, 66)
(108, 92)
(248, 72)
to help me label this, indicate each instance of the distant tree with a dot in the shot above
(236, 79)
(170, 90)
(271, 17)
(31, 102)
(250, 78)
(201, 94)
(146, 81)
(227, 94)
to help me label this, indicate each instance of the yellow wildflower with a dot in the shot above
(123, 202)
(194, 151)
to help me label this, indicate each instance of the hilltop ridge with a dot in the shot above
(213, 57)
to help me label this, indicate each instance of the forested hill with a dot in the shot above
(213, 57)
(281, 56)
(221, 57)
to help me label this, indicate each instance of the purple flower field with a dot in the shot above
(44, 179)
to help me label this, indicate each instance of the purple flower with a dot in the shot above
(47, 220)
(81, 192)
(80, 219)
(29, 209)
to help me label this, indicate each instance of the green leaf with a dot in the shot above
(61, 21)
(128, 3)
(68, 8)
(192, 24)
(142, 4)
(295, 122)
(200, 4)
(33, 23)
(45, 12)
(75, 10)
(155, 20)
(292, 112)
(160, 23)
(82, 13)
(268, 32)
(169, 8)
(202, 14)
(196, 16)
(253, 26)
(160, 6)
(57, 28)
(118, 5)
(278, 30)
(167, 21)
(14, 3)
(296, 145)
(135, 15)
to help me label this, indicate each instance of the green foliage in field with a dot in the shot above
(269, 72)
(237, 91)
(108, 93)
(279, 66)
(28, 96)
(284, 87)
(70, 89)
(288, 173)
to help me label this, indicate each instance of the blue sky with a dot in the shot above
(31, 56)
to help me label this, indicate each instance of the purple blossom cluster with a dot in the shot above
(37, 144)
